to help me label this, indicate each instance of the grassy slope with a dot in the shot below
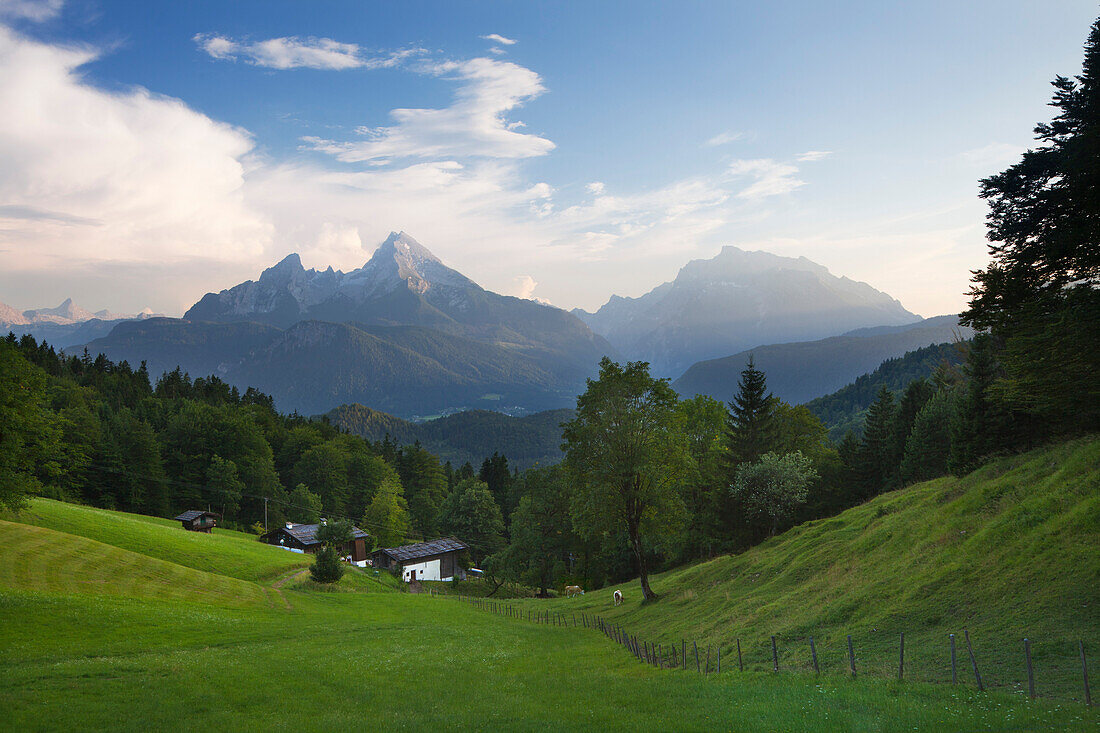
(1007, 552)
(78, 655)
(224, 551)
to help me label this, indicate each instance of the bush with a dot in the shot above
(327, 567)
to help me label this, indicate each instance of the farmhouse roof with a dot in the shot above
(307, 533)
(424, 549)
(190, 514)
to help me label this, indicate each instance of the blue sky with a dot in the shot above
(151, 152)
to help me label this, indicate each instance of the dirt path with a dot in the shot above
(277, 586)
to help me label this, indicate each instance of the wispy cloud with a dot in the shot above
(993, 154)
(771, 178)
(36, 10)
(301, 53)
(497, 38)
(475, 124)
(811, 156)
(725, 138)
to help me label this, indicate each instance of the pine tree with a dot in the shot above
(751, 415)
(877, 460)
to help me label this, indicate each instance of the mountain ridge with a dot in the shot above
(735, 300)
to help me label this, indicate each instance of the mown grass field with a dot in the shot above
(1008, 552)
(102, 630)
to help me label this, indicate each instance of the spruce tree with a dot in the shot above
(750, 425)
(878, 459)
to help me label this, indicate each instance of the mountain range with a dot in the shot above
(799, 372)
(65, 325)
(404, 333)
(734, 301)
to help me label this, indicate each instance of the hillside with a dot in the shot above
(468, 436)
(800, 371)
(844, 410)
(735, 300)
(1006, 552)
(148, 643)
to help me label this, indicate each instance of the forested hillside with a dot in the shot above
(845, 409)
(465, 437)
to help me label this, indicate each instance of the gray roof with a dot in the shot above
(424, 549)
(190, 514)
(307, 533)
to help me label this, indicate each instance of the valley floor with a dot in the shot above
(122, 622)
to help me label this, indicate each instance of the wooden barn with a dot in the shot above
(435, 560)
(198, 521)
(303, 538)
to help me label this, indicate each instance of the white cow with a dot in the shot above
(618, 597)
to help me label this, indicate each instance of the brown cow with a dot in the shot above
(574, 590)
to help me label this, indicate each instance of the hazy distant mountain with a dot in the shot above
(64, 326)
(469, 436)
(737, 300)
(405, 284)
(11, 316)
(798, 372)
(67, 312)
(404, 333)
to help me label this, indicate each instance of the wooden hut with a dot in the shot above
(198, 521)
(303, 538)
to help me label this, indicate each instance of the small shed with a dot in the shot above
(198, 521)
(435, 560)
(303, 538)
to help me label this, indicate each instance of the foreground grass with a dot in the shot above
(390, 660)
(1008, 552)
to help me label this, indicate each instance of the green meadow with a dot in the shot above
(113, 621)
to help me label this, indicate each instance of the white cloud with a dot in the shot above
(771, 178)
(596, 188)
(497, 38)
(300, 53)
(523, 286)
(122, 176)
(36, 10)
(474, 124)
(725, 138)
(813, 155)
(993, 155)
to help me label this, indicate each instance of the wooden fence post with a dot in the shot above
(1030, 673)
(706, 668)
(718, 660)
(696, 646)
(901, 657)
(684, 653)
(954, 666)
(973, 661)
(740, 664)
(775, 656)
(851, 656)
(1085, 673)
(813, 653)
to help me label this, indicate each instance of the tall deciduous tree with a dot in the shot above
(471, 514)
(627, 456)
(387, 516)
(542, 531)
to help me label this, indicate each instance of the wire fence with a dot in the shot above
(1056, 669)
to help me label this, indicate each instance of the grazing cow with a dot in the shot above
(618, 597)
(574, 590)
